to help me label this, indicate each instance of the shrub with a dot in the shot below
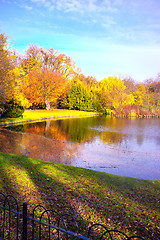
(12, 110)
(108, 111)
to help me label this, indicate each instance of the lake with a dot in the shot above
(121, 146)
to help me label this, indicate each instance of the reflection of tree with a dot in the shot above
(75, 129)
(140, 139)
(113, 123)
(47, 140)
(44, 148)
(36, 146)
(9, 141)
(48, 129)
(78, 129)
(113, 129)
(112, 137)
(17, 128)
(58, 140)
(38, 128)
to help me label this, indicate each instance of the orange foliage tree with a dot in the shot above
(45, 72)
(43, 86)
(36, 57)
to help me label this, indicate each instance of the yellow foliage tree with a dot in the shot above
(16, 94)
(112, 92)
(5, 67)
(139, 95)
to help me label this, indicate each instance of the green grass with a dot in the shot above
(34, 115)
(127, 204)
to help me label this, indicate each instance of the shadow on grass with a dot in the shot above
(117, 202)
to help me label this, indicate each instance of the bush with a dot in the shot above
(12, 110)
(108, 111)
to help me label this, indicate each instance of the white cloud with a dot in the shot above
(120, 22)
(28, 7)
(39, 1)
(107, 21)
(80, 6)
(106, 13)
(155, 26)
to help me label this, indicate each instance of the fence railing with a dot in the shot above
(44, 223)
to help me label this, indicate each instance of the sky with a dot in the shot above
(104, 37)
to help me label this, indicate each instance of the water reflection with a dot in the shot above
(74, 130)
(129, 147)
(36, 146)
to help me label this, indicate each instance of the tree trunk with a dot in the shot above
(48, 107)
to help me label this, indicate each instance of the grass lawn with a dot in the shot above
(34, 115)
(127, 204)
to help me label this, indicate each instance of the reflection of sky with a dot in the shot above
(124, 162)
(140, 134)
(141, 142)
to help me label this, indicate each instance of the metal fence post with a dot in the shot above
(24, 235)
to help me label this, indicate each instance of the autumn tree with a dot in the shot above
(31, 59)
(113, 94)
(43, 86)
(130, 85)
(5, 67)
(12, 101)
(140, 94)
(48, 70)
(153, 90)
(89, 80)
(37, 57)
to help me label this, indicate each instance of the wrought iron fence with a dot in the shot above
(48, 224)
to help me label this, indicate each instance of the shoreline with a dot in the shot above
(45, 118)
(137, 116)
(3, 124)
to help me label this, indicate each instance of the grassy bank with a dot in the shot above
(127, 204)
(34, 115)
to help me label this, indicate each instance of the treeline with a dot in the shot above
(45, 78)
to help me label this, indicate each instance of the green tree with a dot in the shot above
(80, 96)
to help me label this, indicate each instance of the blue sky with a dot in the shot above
(104, 37)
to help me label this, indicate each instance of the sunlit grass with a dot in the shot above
(127, 204)
(34, 115)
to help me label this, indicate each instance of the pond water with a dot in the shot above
(126, 147)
